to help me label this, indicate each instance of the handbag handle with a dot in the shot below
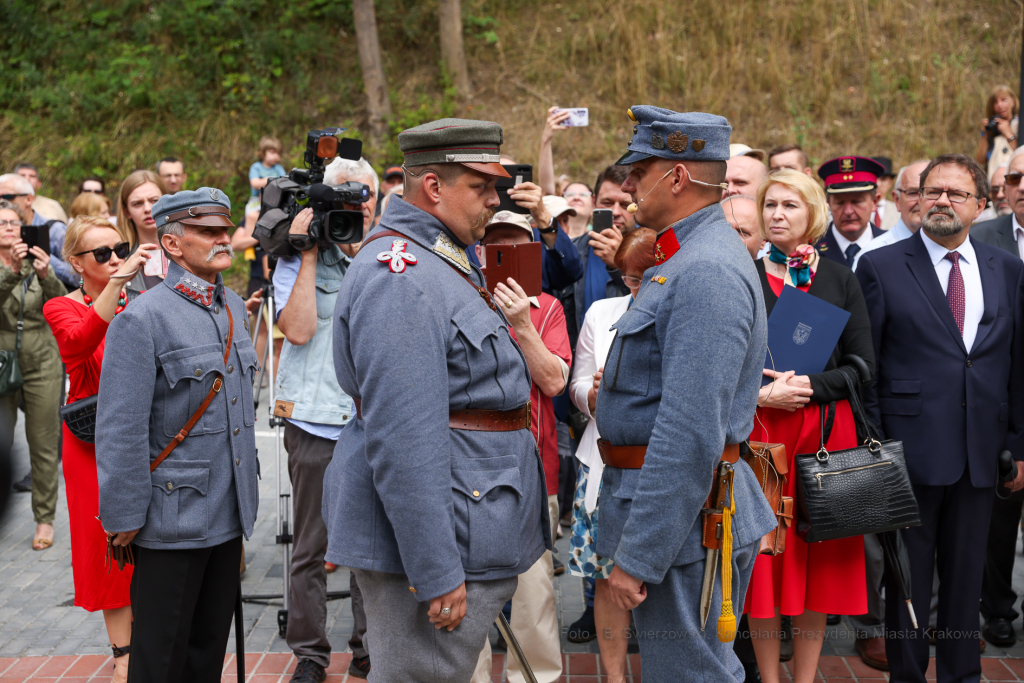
(826, 415)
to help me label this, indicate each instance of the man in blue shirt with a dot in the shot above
(316, 409)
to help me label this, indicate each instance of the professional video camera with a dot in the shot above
(284, 197)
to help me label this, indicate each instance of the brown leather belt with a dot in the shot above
(480, 420)
(632, 457)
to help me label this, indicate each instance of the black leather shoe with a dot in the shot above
(25, 485)
(833, 620)
(751, 673)
(359, 667)
(309, 671)
(583, 630)
(999, 631)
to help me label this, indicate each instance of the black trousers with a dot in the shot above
(997, 596)
(952, 539)
(183, 602)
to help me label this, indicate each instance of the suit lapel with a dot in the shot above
(829, 248)
(990, 292)
(1006, 238)
(920, 264)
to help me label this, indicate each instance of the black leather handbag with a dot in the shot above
(80, 418)
(856, 491)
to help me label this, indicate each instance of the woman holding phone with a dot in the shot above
(79, 321)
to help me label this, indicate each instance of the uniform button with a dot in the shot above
(234, 400)
(344, 417)
(170, 485)
(225, 339)
(231, 368)
(199, 372)
(216, 310)
(968, 363)
(476, 494)
(238, 461)
(236, 431)
(411, 589)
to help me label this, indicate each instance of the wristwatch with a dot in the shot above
(551, 229)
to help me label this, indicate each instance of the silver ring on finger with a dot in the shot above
(445, 611)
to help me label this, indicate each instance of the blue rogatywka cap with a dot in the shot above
(205, 206)
(688, 136)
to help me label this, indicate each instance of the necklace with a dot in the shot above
(122, 300)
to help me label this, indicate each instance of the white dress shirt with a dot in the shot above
(1018, 235)
(974, 297)
(863, 241)
(898, 233)
(591, 353)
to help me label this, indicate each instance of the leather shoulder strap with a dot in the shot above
(214, 390)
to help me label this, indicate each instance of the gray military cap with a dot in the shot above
(205, 206)
(475, 144)
(689, 136)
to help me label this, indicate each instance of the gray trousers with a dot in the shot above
(406, 648)
(872, 624)
(308, 457)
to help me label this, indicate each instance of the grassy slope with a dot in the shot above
(906, 78)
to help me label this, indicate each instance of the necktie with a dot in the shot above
(851, 253)
(955, 291)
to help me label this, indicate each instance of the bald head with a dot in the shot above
(744, 175)
(741, 212)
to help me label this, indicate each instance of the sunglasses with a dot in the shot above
(1013, 179)
(11, 197)
(102, 254)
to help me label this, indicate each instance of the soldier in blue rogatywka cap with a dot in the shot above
(176, 446)
(677, 398)
(435, 495)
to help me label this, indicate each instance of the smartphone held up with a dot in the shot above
(579, 117)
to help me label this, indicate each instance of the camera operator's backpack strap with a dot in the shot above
(214, 390)
(394, 233)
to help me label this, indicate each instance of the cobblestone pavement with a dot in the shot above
(37, 618)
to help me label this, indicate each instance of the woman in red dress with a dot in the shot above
(79, 322)
(807, 581)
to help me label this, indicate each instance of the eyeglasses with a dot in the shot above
(11, 197)
(632, 281)
(933, 194)
(13, 224)
(574, 195)
(910, 194)
(996, 189)
(102, 254)
(1013, 179)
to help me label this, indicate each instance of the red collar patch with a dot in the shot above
(665, 247)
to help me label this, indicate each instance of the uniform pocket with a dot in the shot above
(188, 373)
(180, 502)
(476, 325)
(629, 367)
(487, 497)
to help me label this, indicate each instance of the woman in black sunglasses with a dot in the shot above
(79, 322)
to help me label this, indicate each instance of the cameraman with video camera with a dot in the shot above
(308, 396)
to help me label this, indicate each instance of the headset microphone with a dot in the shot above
(632, 208)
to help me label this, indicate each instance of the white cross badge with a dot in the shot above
(397, 258)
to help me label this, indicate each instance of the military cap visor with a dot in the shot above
(215, 215)
(205, 207)
(474, 144)
(850, 174)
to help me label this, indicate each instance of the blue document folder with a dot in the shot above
(802, 333)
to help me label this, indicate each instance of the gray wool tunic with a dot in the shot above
(682, 376)
(404, 493)
(162, 355)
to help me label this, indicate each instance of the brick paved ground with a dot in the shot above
(42, 635)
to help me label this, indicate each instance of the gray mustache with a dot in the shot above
(226, 248)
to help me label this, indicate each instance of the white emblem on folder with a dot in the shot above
(801, 334)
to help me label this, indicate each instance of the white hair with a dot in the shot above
(20, 183)
(899, 176)
(350, 170)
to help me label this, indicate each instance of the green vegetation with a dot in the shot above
(105, 86)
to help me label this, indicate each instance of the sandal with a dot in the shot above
(40, 543)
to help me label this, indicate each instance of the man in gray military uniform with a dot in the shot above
(435, 495)
(180, 357)
(679, 392)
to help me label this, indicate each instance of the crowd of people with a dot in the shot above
(642, 353)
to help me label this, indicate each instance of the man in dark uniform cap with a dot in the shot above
(851, 185)
(677, 397)
(176, 446)
(435, 496)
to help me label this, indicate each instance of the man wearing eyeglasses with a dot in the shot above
(19, 191)
(906, 197)
(946, 312)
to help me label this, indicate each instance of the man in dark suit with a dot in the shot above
(851, 184)
(946, 315)
(997, 595)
